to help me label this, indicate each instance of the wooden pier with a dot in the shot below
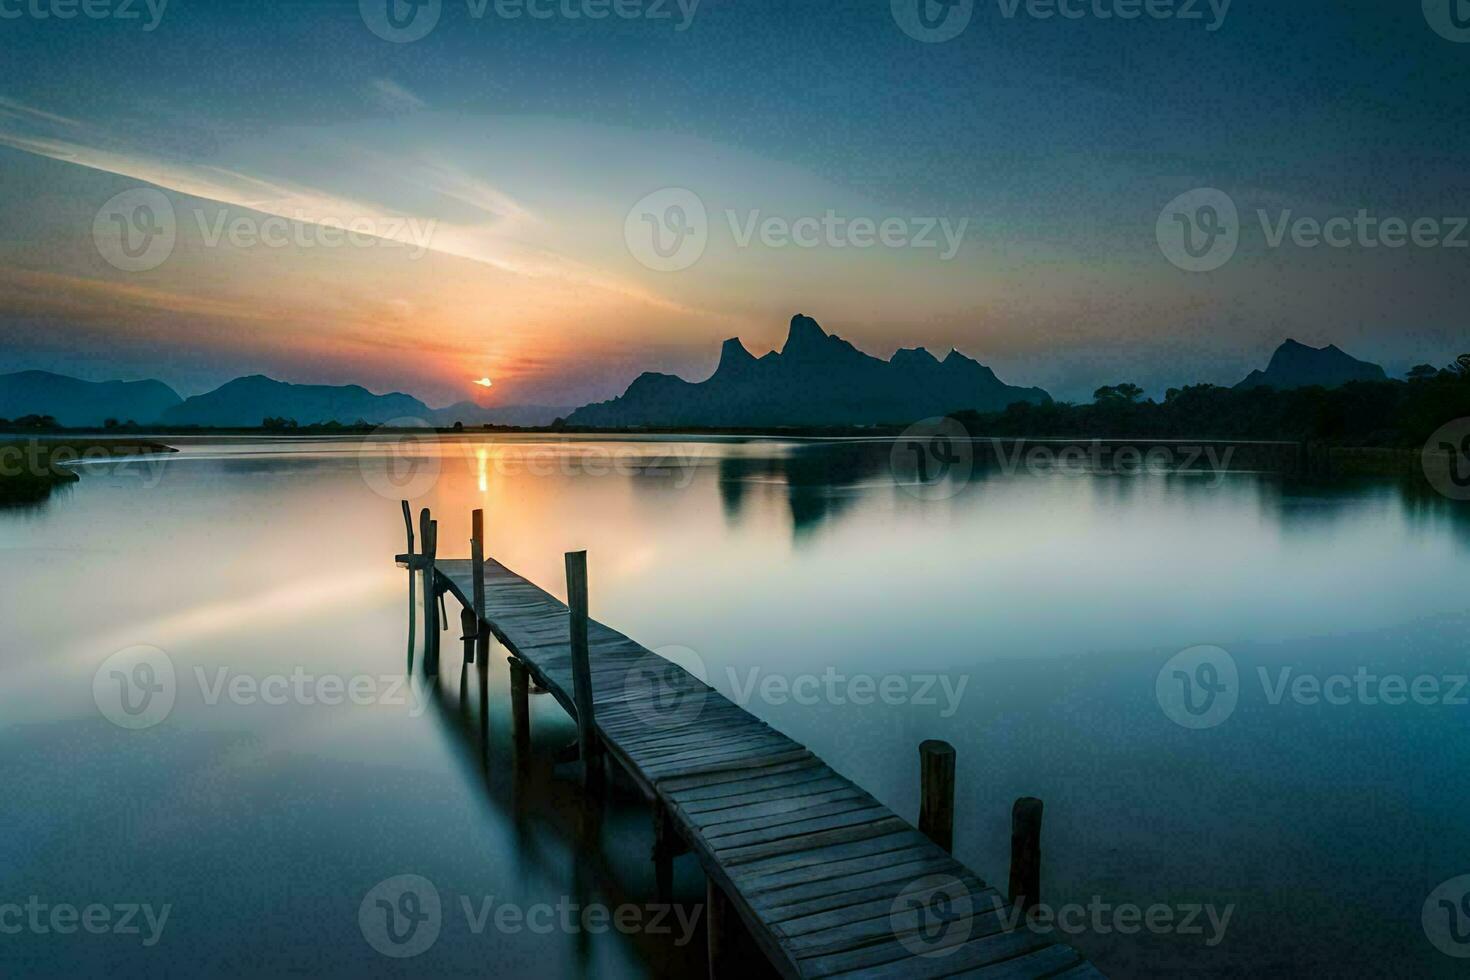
(814, 872)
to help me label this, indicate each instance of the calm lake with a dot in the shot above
(1024, 615)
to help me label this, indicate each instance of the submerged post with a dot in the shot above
(520, 708)
(936, 792)
(469, 632)
(1025, 889)
(667, 844)
(431, 595)
(717, 928)
(576, 562)
(477, 573)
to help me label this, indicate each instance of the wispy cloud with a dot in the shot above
(470, 218)
(394, 97)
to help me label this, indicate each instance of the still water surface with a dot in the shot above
(1024, 617)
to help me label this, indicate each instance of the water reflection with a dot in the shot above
(1058, 593)
(551, 816)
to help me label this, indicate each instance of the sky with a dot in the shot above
(1075, 192)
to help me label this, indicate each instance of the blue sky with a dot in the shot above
(520, 146)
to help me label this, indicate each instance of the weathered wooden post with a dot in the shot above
(408, 526)
(936, 792)
(430, 534)
(520, 709)
(576, 562)
(469, 630)
(1025, 890)
(477, 573)
(719, 929)
(667, 844)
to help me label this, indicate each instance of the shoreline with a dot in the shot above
(32, 467)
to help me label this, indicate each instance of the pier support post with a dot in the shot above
(719, 927)
(667, 845)
(469, 632)
(936, 792)
(520, 709)
(477, 573)
(408, 525)
(576, 562)
(1025, 887)
(429, 533)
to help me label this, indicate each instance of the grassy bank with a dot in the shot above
(31, 468)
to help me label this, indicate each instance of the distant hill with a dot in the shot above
(1296, 365)
(471, 413)
(78, 403)
(246, 401)
(816, 379)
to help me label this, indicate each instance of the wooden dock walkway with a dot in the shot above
(824, 879)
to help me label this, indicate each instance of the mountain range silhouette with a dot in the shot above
(816, 378)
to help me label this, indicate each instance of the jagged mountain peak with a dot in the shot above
(1296, 365)
(816, 379)
(734, 356)
(804, 333)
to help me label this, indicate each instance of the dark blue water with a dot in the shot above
(1025, 617)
